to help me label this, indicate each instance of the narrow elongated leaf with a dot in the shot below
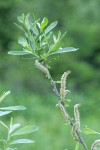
(22, 141)
(77, 146)
(2, 113)
(4, 95)
(44, 23)
(91, 132)
(50, 27)
(35, 30)
(13, 108)
(13, 127)
(55, 47)
(3, 124)
(27, 21)
(26, 130)
(19, 27)
(19, 52)
(47, 37)
(64, 50)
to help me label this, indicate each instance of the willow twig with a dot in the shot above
(67, 116)
(44, 68)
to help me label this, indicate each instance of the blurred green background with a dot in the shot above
(81, 20)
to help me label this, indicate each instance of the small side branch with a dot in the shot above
(66, 114)
(61, 95)
(68, 118)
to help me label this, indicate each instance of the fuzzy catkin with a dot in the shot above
(64, 112)
(74, 129)
(41, 67)
(97, 142)
(63, 85)
(77, 116)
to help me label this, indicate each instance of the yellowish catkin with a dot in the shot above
(97, 142)
(77, 116)
(64, 112)
(41, 67)
(74, 134)
(63, 85)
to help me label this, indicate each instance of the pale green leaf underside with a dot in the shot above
(19, 52)
(2, 113)
(50, 27)
(64, 50)
(22, 41)
(11, 108)
(22, 141)
(13, 127)
(26, 130)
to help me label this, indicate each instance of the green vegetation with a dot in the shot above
(9, 133)
(37, 42)
(19, 74)
(52, 127)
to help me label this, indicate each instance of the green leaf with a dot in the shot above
(91, 132)
(19, 52)
(50, 27)
(64, 50)
(44, 23)
(22, 141)
(21, 18)
(77, 146)
(4, 95)
(35, 30)
(13, 127)
(22, 41)
(55, 47)
(19, 27)
(26, 130)
(13, 108)
(58, 43)
(33, 27)
(27, 21)
(2, 113)
(3, 124)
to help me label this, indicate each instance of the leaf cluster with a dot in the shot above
(13, 130)
(38, 38)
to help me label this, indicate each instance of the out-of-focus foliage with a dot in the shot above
(53, 131)
(81, 19)
(7, 139)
